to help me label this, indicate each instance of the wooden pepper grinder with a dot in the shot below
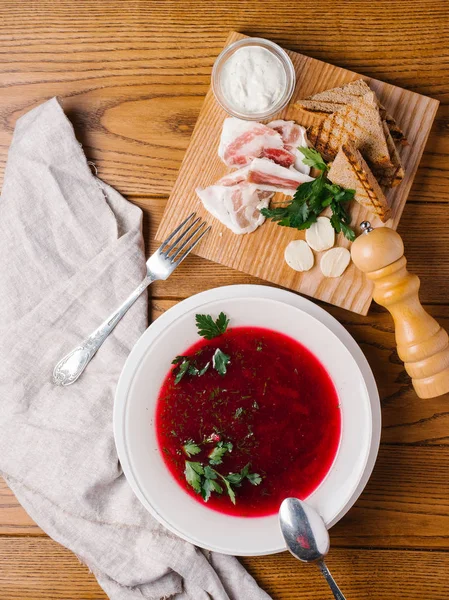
(422, 344)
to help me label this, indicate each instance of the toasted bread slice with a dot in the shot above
(390, 176)
(358, 122)
(351, 171)
(334, 99)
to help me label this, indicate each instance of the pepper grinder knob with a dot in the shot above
(422, 344)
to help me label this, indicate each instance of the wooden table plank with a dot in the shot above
(41, 569)
(420, 223)
(14, 520)
(384, 574)
(406, 419)
(33, 569)
(134, 92)
(133, 78)
(395, 510)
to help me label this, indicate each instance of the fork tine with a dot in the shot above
(192, 246)
(191, 236)
(173, 233)
(180, 238)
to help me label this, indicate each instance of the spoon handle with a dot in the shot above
(330, 580)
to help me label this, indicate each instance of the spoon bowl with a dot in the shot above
(306, 537)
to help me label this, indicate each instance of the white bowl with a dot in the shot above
(135, 434)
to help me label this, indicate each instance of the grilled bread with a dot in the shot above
(330, 101)
(358, 122)
(351, 171)
(390, 176)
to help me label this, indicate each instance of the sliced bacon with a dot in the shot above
(234, 177)
(271, 177)
(280, 156)
(241, 141)
(237, 207)
(293, 136)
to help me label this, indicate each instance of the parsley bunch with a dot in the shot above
(208, 329)
(312, 197)
(204, 479)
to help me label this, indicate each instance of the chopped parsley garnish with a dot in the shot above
(220, 360)
(204, 479)
(190, 448)
(238, 413)
(193, 473)
(216, 456)
(208, 328)
(311, 198)
(198, 372)
(183, 368)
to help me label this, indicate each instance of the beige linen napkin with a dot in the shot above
(70, 252)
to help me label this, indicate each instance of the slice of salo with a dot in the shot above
(299, 256)
(334, 262)
(321, 235)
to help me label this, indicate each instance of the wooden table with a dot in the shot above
(133, 76)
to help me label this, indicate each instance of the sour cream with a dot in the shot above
(253, 80)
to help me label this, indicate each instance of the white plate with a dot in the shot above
(143, 375)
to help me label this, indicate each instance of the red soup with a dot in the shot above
(270, 425)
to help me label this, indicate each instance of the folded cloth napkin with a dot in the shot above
(71, 250)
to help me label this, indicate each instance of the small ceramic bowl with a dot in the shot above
(135, 433)
(284, 98)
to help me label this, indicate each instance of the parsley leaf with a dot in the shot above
(210, 485)
(178, 359)
(183, 368)
(209, 473)
(238, 412)
(208, 328)
(216, 456)
(254, 478)
(198, 372)
(193, 472)
(190, 448)
(237, 478)
(220, 360)
(311, 198)
(234, 478)
(313, 158)
(229, 489)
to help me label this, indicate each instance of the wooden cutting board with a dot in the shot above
(262, 253)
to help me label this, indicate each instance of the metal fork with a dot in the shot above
(160, 265)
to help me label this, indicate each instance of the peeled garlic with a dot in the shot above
(334, 262)
(299, 256)
(321, 235)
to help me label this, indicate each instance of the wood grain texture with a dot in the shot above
(261, 253)
(394, 511)
(40, 569)
(133, 77)
(429, 260)
(405, 418)
(50, 572)
(133, 82)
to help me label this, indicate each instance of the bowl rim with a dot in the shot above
(232, 292)
(279, 52)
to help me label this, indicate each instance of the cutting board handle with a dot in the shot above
(422, 344)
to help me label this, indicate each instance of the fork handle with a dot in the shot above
(73, 364)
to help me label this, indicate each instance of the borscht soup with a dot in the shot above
(246, 417)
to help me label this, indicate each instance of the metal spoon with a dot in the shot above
(306, 536)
